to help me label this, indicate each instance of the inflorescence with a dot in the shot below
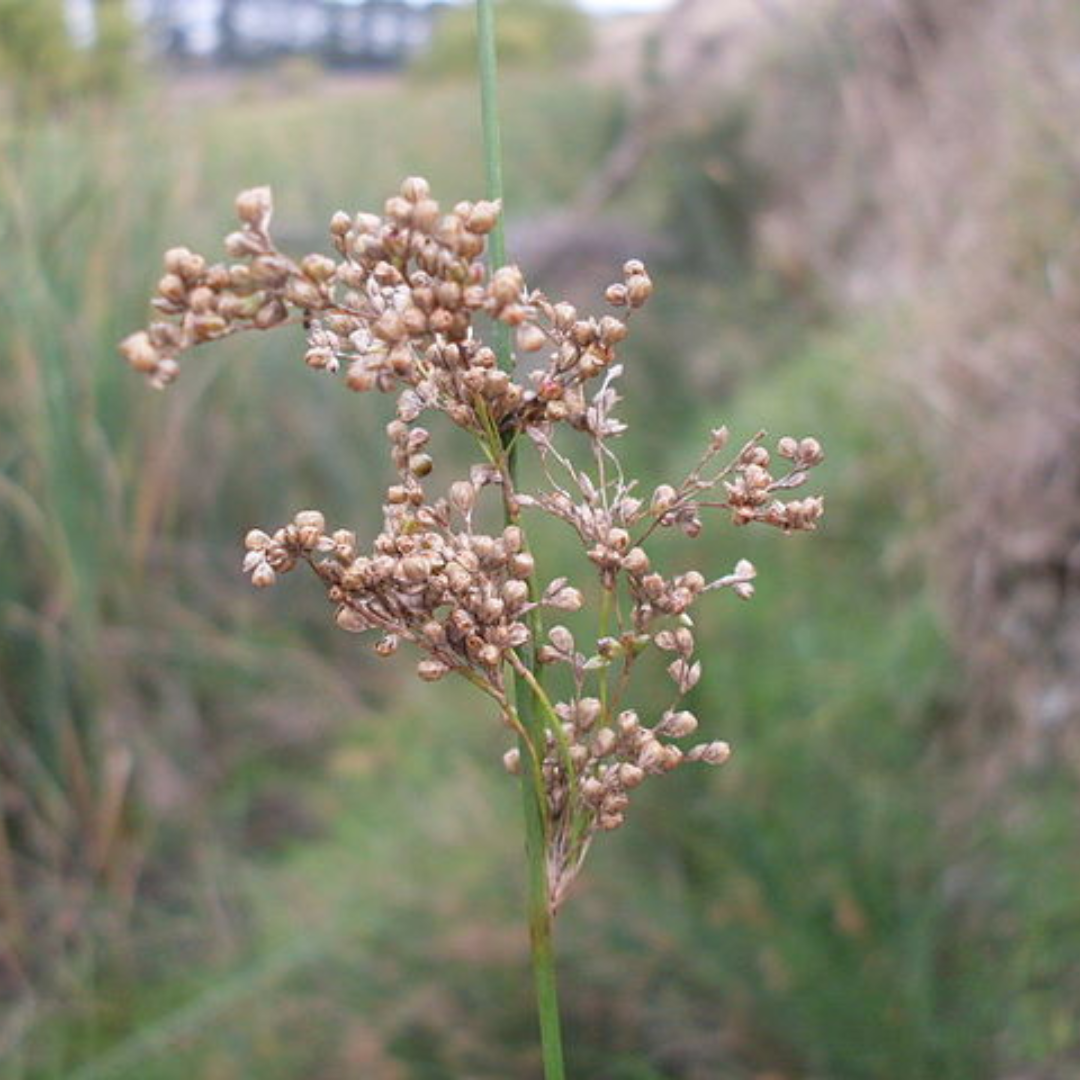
(398, 311)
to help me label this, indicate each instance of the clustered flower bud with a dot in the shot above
(201, 301)
(395, 311)
(460, 596)
(635, 288)
(590, 771)
(751, 494)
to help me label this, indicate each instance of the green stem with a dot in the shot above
(534, 803)
(541, 921)
(489, 119)
(606, 600)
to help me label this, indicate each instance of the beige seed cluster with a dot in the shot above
(602, 752)
(397, 311)
(752, 494)
(201, 302)
(394, 310)
(461, 596)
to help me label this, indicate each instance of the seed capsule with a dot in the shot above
(431, 670)
(677, 725)
(462, 496)
(663, 498)
(421, 464)
(139, 352)
(351, 620)
(415, 188)
(810, 452)
(482, 217)
(713, 753)
(522, 565)
(254, 206)
(603, 742)
(387, 646)
(587, 713)
(263, 577)
(530, 338)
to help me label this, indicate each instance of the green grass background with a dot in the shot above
(237, 846)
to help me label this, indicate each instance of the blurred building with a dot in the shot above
(360, 33)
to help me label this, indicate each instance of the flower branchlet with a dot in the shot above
(401, 308)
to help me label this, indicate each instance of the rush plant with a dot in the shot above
(419, 301)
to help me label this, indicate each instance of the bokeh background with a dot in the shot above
(232, 844)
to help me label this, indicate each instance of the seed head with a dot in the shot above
(402, 305)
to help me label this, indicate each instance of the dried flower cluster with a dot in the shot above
(397, 311)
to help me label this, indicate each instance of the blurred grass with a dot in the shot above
(138, 687)
(236, 847)
(546, 35)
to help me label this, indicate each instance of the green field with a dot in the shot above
(238, 846)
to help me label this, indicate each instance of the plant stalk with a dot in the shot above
(493, 174)
(540, 916)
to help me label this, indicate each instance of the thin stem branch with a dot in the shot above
(607, 599)
(533, 798)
